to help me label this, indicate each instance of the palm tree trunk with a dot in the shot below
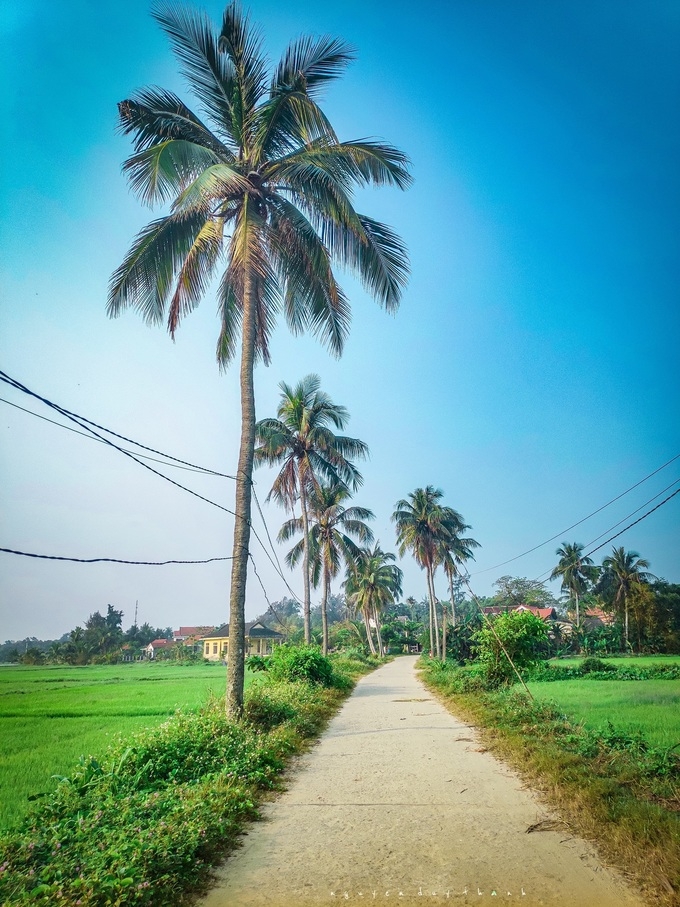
(324, 616)
(369, 634)
(625, 623)
(434, 612)
(306, 607)
(453, 601)
(444, 633)
(578, 617)
(239, 570)
(430, 596)
(376, 618)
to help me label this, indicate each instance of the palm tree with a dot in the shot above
(576, 571)
(423, 527)
(373, 582)
(330, 539)
(624, 573)
(303, 444)
(261, 182)
(455, 550)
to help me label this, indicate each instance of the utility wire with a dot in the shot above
(80, 419)
(625, 528)
(198, 469)
(578, 523)
(84, 423)
(110, 560)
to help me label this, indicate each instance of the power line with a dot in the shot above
(84, 423)
(198, 469)
(75, 417)
(578, 523)
(110, 560)
(627, 517)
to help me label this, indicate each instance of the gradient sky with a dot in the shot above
(531, 373)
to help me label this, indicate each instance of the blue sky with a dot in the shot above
(531, 373)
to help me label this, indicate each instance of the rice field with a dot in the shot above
(651, 707)
(50, 716)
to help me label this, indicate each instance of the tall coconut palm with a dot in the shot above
(455, 550)
(623, 575)
(329, 540)
(373, 582)
(576, 571)
(302, 442)
(423, 525)
(260, 183)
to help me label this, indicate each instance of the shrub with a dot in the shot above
(592, 665)
(257, 663)
(522, 635)
(301, 663)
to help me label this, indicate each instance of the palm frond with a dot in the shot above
(383, 263)
(211, 74)
(153, 115)
(196, 272)
(144, 279)
(312, 298)
(215, 183)
(160, 172)
(242, 45)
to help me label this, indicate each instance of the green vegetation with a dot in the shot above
(50, 716)
(614, 777)
(141, 823)
(650, 708)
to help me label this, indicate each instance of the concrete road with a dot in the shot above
(400, 804)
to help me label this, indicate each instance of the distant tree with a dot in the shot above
(515, 591)
(454, 550)
(330, 539)
(423, 526)
(373, 582)
(576, 572)
(624, 574)
(301, 441)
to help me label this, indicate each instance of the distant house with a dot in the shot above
(260, 640)
(189, 634)
(543, 614)
(155, 646)
(595, 618)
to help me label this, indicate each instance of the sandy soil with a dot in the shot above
(399, 803)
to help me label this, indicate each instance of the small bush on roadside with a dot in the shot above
(257, 663)
(301, 663)
(521, 635)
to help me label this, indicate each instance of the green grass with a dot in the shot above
(622, 661)
(651, 707)
(50, 716)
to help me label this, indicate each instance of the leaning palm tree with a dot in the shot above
(301, 441)
(576, 571)
(624, 573)
(330, 540)
(259, 183)
(423, 525)
(373, 582)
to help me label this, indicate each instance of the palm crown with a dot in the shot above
(263, 177)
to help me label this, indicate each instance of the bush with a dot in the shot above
(522, 635)
(594, 665)
(301, 663)
(257, 663)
